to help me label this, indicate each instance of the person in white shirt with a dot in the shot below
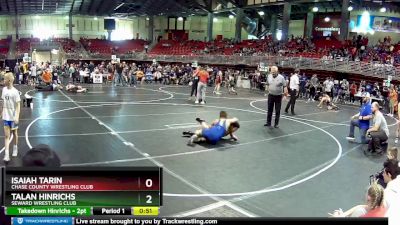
(11, 110)
(391, 177)
(33, 73)
(293, 90)
(328, 85)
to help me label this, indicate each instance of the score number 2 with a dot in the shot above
(149, 184)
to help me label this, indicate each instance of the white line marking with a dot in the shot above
(128, 143)
(197, 188)
(241, 198)
(179, 124)
(314, 121)
(116, 102)
(122, 115)
(195, 152)
(4, 148)
(126, 132)
(210, 106)
(278, 188)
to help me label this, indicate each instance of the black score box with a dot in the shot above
(112, 211)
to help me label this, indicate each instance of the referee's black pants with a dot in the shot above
(274, 100)
(292, 101)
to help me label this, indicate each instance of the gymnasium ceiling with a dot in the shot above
(128, 8)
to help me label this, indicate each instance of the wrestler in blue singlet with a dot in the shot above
(215, 133)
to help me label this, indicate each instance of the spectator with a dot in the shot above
(361, 120)
(41, 156)
(392, 192)
(374, 206)
(201, 89)
(379, 132)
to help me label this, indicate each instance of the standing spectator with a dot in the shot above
(73, 73)
(218, 81)
(379, 131)
(303, 82)
(17, 73)
(276, 87)
(328, 85)
(392, 100)
(293, 90)
(313, 87)
(118, 80)
(353, 91)
(195, 82)
(33, 73)
(201, 89)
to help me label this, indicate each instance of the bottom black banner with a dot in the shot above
(194, 221)
(212, 221)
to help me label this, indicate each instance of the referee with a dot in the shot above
(293, 90)
(276, 87)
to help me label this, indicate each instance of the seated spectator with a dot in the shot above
(379, 132)
(392, 192)
(391, 155)
(374, 206)
(46, 77)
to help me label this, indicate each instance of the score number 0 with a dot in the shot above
(149, 184)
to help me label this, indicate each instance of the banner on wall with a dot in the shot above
(27, 59)
(377, 23)
(263, 67)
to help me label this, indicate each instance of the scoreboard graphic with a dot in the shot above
(32, 193)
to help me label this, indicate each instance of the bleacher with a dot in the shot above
(4, 47)
(105, 47)
(24, 45)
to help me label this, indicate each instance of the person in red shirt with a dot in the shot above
(374, 206)
(201, 88)
(353, 91)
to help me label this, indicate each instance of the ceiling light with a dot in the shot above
(95, 18)
(327, 19)
(315, 9)
(383, 9)
(350, 8)
(261, 13)
(147, 18)
(231, 17)
(390, 21)
(215, 19)
(180, 18)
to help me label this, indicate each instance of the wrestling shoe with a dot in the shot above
(352, 139)
(187, 133)
(6, 157)
(199, 120)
